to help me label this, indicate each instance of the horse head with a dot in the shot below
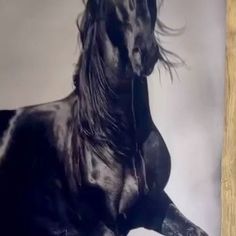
(130, 27)
(121, 35)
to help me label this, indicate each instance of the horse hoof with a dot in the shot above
(195, 231)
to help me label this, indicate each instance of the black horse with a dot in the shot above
(93, 163)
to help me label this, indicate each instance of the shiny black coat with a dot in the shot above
(50, 187)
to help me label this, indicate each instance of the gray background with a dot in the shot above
(37, 56)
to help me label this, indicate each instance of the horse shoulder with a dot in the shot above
(29, 165)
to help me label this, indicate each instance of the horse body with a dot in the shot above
(39, 195)
(93, 163)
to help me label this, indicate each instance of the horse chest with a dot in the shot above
(115, 182)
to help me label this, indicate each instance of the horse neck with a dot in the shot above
(143, 117)
(135, 100)
(133, 104)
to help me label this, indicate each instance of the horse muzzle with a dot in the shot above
(149, 60)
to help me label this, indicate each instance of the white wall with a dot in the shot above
(37, 56)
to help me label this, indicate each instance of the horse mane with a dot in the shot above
(168, 59)
(97, 123)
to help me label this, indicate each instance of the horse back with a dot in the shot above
(5, 118)
(33, 132)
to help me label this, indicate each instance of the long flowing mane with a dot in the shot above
(95, 116)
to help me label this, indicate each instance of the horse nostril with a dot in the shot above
(136, 50)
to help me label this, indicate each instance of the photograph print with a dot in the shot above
(111, 117)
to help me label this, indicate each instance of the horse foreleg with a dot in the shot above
(157, 212)
(175, 223)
